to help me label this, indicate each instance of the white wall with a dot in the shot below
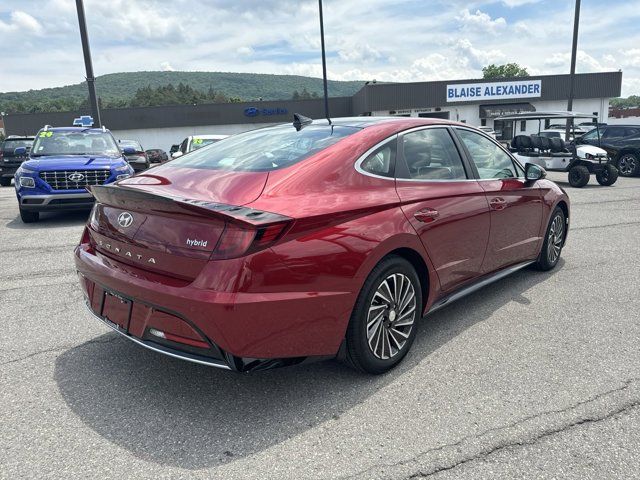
(471, 113)
(165, 137)
(624, 121)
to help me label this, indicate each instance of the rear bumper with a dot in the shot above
(61, 201)
(160, 348)
(245, 331)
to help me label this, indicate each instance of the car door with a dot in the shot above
(515, 204)
(445, 205)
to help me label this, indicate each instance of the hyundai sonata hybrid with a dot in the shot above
(311, 240)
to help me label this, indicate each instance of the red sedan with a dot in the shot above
(313, 240)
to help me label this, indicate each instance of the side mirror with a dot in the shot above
(20, 151)
(128, 150)
(533, 172)
(177, 154)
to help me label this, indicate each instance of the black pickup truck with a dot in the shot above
(9, 161)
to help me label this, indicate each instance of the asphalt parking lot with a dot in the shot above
(536, 376)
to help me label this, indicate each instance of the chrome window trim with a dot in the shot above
(364, 156)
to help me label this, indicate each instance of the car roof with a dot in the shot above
(211, 137)
(364, 122)
(20, 137)
(74, 129)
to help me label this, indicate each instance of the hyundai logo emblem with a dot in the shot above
(125, 219)
(251, 112)
(75, 177)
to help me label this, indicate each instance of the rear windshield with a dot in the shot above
(198, 143)
(130, 143)
(10, 145)
(52, 142)
(264, 149)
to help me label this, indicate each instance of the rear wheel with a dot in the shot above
(5, 181)
(28, 216)
(608, 176)
(578, 176)
(383, 322)
(628, 165)
(553, 241)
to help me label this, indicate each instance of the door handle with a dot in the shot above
(498, 203)
(426, 215)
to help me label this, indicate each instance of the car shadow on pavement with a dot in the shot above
(52, 220)
(172, 412)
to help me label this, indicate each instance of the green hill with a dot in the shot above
(118, 89)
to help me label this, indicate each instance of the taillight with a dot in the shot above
(238, 240)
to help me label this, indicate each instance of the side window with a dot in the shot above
(430, 154)
(613, 132)
(491, 161)
(183, 145)
(381, 161)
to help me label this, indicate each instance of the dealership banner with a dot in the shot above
(470, 92)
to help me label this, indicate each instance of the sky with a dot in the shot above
(386, 40)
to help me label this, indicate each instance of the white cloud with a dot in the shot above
(21, 23)
(584, 62)
(166, 67)
(244, 50)
(360, 53)
(481, 22)
(389, 40)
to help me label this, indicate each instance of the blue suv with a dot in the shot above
(63, 162)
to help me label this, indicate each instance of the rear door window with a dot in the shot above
(431, 154)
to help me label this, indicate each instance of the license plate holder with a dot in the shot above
(117, 310)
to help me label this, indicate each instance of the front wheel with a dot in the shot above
(578, 176)
(383, 322)
(608, 176)
(628, 165)
(553, 241)
(29, 217)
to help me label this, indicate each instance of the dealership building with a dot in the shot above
(475, 102)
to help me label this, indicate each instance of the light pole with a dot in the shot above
(572, 74)
(324, 65)
(93, 99)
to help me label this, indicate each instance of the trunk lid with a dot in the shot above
(169, 226)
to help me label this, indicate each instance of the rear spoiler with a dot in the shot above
(135, 199)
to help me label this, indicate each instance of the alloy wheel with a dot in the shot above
(627, 165)
(392, 313)
(554, 241)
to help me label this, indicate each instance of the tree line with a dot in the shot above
(144, 97)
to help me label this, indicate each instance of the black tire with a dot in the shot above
(28, 216)
(553, 241)
(608, 176)
(628, 165)
(5, 181)
(377, 355)
(578, 176)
